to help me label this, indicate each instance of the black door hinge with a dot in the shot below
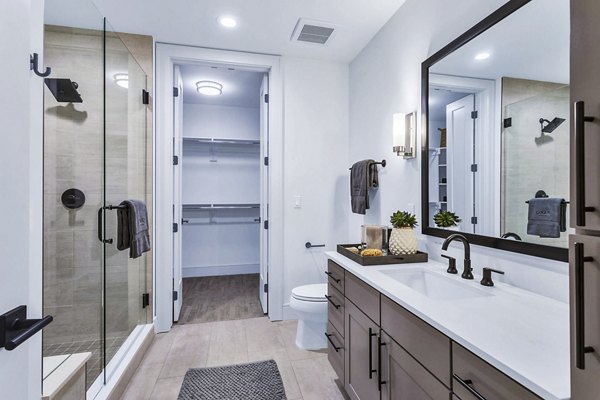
(145, 300)
(266, 161)
(266, 287)
(507, 122)
(266, 224)
(175, 160)
(266, 98)
(175, 92)
(175, 227)
(473, 167)
(474, 114)
(474, 220)
(175, 295)
(145, 97)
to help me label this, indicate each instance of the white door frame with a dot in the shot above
(166, 57)
(487, 129)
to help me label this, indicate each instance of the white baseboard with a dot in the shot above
(218, 270)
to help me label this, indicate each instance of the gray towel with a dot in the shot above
(547, 217)
(363, 176)
(133, 231)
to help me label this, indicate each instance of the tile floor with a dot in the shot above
(306, 375)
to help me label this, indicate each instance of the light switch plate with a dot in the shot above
(297, 201)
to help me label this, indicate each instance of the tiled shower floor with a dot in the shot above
(94, 365)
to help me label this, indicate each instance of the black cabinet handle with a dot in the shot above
(15, 328)
(337, 306)
(580, 348)
(329, 274)
(371, 370)
(466, 383)
(580, 120)
(380, 381)
(336, 348)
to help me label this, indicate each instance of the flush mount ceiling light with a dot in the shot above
(482, 56)
(209, 88)
(228, 22)
(122, 80)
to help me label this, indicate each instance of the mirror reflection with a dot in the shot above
(498, 130)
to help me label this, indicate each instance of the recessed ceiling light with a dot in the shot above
(482, 56)
(122, 80)
(228, 22)
(209, 88)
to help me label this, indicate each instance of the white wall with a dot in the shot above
(385, 79)
(315, 167)
(200, 120)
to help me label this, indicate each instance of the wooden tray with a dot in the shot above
(390, 259)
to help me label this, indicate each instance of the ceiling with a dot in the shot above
(264, 26)
(532, 43)
(240, 88)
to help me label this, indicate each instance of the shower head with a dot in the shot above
(550, 125)
(64, 90)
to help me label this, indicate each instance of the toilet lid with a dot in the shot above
(315, 292)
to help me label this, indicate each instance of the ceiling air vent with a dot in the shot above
(315, 32)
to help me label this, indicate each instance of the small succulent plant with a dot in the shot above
(446, 219)
(403, 219)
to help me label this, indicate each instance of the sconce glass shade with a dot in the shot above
(404, 141)
(209, 88)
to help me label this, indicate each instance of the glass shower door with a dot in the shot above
(128, 177)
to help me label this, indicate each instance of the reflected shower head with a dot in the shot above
(550, 125)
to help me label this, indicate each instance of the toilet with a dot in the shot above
(310, 305)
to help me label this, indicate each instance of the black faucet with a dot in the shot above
(467, 270)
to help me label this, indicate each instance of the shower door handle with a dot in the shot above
(580, 120)
(100, 224)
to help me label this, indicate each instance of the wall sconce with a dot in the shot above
(405, 138)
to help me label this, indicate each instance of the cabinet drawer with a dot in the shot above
(482, 378)
(423, 342)
(335, 308)
(335, 275)
(335, 351)
(405, 378)
(363, 296)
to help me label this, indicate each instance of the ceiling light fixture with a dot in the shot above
(209, 88)
(482, 56)
(122, 80)
(228, 22)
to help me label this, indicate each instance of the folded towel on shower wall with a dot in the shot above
(133, 232)
(363, 175)
(547, 217)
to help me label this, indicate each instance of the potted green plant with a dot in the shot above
(446, 220)
(403, 239)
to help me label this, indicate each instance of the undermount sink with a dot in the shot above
(435, 286)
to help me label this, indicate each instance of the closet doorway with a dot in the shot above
(221, 192)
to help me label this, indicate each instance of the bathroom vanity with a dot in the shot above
(416, 332)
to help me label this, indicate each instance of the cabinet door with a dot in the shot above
(585, 327)
(360, 339)
(585, 87)
(404, 378)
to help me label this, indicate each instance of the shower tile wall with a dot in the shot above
(527, 166)
(73, 157)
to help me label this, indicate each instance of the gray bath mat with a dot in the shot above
(254, 381)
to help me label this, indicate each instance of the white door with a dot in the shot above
(21, 30)
(460, 136)
(264, 196)
(177, 214)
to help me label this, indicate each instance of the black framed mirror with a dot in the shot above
(495, 145)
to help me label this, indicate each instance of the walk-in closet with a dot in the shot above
(220, 173)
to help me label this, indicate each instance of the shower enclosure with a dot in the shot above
(97, 153)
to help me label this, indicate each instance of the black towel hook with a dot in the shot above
(33, 65)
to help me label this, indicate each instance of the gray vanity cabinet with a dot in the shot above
(360, 342)
(404, 378)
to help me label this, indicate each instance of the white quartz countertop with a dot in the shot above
(523, 334)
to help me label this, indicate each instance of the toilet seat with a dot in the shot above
(313, 293)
